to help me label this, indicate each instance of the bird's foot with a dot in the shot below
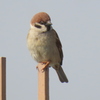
(43, 65)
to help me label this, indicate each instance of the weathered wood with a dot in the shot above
(43, 82)
(2, 78)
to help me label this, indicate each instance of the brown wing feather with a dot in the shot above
(59, 46)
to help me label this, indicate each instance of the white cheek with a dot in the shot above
(40, 30)
(31, 26)
(43, 28)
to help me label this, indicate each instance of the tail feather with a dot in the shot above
(61, 75)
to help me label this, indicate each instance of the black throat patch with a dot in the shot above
(48, 27)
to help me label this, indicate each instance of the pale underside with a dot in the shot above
(42, 47)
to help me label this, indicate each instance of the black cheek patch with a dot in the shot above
(38, 26)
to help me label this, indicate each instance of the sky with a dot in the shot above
(77, 23)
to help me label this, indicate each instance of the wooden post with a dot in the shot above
(43, 82)
(2, 78)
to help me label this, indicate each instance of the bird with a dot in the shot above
(44, 44)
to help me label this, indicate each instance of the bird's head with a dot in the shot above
(41, 22)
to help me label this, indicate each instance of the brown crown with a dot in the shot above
(42, 16)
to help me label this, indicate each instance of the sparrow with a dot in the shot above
(44, 44)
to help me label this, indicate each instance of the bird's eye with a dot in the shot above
(41, 22)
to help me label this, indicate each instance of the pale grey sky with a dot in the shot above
(77, 23)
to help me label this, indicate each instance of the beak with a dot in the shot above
(48, 23)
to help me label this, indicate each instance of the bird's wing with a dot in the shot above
(59, 45)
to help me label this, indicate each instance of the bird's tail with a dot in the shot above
(61, 75)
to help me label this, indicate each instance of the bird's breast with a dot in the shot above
(43, 47)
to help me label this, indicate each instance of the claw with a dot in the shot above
(44, 65)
